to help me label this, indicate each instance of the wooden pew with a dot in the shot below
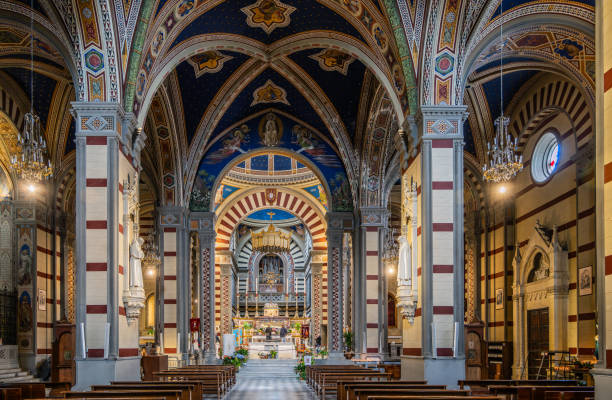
(190, 391)
(569, 395)
(10, 393)
(29, 390)
(328, 381)
(533, 392)
(128, 394)
(441, 397)
(317, 375)
(364, 393)
(343, 386)
(481, 385)
(213, 382)
(57, 389)
(196, 386)
(313, 369)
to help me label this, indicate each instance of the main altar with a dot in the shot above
(262, 334)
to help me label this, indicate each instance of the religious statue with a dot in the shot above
(270, 134)
(136, 255)
(404, 269)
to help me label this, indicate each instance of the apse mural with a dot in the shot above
(268, 130)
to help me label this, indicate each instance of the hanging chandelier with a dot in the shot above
(151, 252)
(391, 251)
(31, 164)
(503, 161)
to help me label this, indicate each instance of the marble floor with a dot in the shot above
(269, 380)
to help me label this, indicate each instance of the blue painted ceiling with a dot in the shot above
(228, 18)
(512, 82)
(264, 215)
(509, 4)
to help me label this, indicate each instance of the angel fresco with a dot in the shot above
(230, 145)
(304, 138)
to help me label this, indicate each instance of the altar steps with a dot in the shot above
(11, 375)
(268, 369)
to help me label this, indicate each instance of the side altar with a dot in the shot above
(272, 332)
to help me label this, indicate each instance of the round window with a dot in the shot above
(545, 157)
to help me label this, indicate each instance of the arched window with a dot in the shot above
(545, 157)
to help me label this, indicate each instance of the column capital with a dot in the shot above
(442, 122)
(373, 216)
(172, 216)
(205, 220)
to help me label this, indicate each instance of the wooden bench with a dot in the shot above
(533, 392)
(213, 382)
(313, 369)
(57, 389)
(128, 394)
(10, 393)
(343, 386)
(316, 376)
(29, 390)
(191, 391)
(364, 393)
(481, 385)
(196, 387)
(328, 381)
(441, 397)
(569, 395)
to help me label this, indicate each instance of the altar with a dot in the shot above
(284, 350)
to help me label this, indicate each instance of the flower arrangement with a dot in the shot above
(273, 354)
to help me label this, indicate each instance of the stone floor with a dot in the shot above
(269, 380)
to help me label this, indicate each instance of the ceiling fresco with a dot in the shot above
(272, 129)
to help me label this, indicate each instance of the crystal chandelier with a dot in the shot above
(391, 251)
(503, 162)
(151, 252)
(32, 164)
(271, 241)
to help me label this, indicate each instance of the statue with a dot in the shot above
(136, 255)
(270, 135)
(404, 269)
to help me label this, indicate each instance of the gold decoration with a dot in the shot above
(271, 241)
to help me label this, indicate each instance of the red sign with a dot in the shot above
(194, 323)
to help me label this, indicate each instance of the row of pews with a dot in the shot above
(352, 382)
(188, 383)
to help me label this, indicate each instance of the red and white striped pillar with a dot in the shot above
(106, 157)
(442, 243)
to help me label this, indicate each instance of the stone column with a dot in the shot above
(337, 222)
(206, 231)
(224, 260)
(107, 156)
(373, 225)
(318, 259)
(442, 243)
(603, 182)
(175, 277)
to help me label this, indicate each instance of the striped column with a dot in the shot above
(373, 227)
(206, 231)
(224, 261)
(442, 242)
(337, 223)
(174, 281)
(603, 145)
(106, 155)
(317, 265)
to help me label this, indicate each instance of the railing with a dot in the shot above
(263, 298)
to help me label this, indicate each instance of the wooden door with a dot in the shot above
(537, 341)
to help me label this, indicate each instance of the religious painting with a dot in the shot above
(208, 62)
(25, 312)
(270, 130)
(569, 49)
(42, 300)
(269, 92)
(499, 298)
(585, 281)
(333, 60)
(24, 272)
(268, 15)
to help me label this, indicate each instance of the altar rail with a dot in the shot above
(271, 298)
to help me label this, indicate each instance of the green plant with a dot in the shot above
(323, 352)
(151, 331)
(348, 340)
(273, 353)
(300, 369)
(247, 326)
(244, 352)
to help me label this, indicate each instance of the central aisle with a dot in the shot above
(269, 380)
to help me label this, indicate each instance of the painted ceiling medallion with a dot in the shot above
(208, 62)
(268, 15)
(269, 93)
(333, 60)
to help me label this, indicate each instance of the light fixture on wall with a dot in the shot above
(503, 163)
(391, 251)
(32, 164)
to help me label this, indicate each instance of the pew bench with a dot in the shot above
(344, 386)
(128, 394)
(364, 393)
(329, 381)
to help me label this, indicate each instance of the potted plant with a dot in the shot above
(348, 345)
(323, 353)
(273, 354)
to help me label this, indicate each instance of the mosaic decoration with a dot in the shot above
(443, 90)
(449, 24)
(268, 15)
(96, 87)
(126, 13)
(166, 150)
(89, 23)
(204, 314)
(333, 60)
(336, 326)
(269, 93)
(94, 60)
(208, 62)
(318, 193)
(444, 64)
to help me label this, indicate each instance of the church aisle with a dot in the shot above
(269, 380)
